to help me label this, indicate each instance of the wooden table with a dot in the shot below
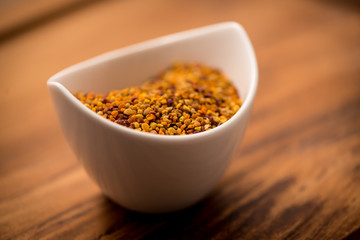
(295, 176)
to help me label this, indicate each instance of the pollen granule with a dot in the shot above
(183, 99)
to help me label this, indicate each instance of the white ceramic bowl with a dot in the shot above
(148, 172)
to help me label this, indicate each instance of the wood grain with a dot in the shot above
(296, 174)
(17, 16)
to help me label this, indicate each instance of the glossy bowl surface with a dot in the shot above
(147, 172)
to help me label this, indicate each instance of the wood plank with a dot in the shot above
(17, 16)
(295, 176)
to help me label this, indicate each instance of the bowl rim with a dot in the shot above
(153, 43)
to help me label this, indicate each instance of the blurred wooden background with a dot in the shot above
(296, 174)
